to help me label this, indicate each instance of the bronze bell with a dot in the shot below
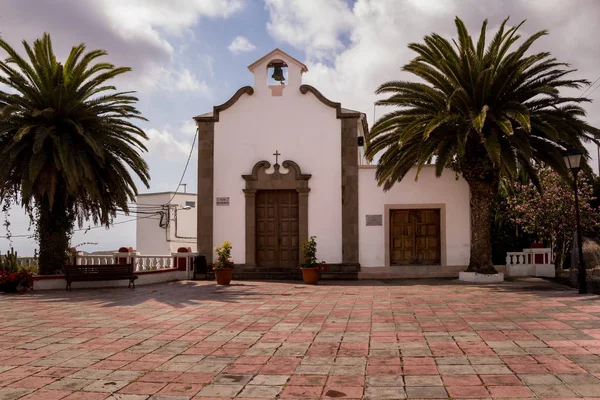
(278, 74)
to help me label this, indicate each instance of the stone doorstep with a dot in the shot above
(474, 277)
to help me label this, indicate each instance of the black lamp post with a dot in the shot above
(573, 162)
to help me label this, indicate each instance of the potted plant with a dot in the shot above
(223, 266)
(12, 278)
(311, 268)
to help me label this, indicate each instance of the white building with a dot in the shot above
(279, 163)
(166, 221)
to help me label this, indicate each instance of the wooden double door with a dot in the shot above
(277, 237)
(415, 237)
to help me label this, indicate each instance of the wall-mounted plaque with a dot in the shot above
(375, 220)
(222, 201)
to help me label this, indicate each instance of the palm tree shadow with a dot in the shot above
(176, 294)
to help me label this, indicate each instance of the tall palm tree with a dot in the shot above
(67, 143)
(483, 111)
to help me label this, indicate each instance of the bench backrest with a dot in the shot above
(73, 271)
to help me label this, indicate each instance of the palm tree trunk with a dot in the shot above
(54, 228)
(484, 195)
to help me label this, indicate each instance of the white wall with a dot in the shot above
(427, 190)
(152, 239)
(303, 130)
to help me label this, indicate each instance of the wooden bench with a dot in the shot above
(112, 272)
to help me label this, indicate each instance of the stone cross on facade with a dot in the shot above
(277, 154)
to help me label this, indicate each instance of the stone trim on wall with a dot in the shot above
(386, 229)
(204, 206)
(214, 116)
(350, 239)
(349, 140)
(259, 179)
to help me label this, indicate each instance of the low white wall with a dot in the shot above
(143, 279)
(428, 190)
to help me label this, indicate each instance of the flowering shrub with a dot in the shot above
(550, 214)
(11, 281)
(309, 248)
(223, 256)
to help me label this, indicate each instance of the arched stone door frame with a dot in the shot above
(259, 179)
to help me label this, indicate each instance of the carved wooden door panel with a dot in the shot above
(414, 237)
(427, 237)
(277, 228)
(288, 228)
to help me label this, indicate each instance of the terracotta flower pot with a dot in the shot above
(310, 275)
(223, 275)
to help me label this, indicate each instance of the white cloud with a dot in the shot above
(188, 128)
(312, 25)
(165, 145)
(241, 45)
(172, 79)
(351, 51)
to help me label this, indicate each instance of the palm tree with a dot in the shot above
(67, 143)
(484, 112)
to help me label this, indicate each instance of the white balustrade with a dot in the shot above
(27, 261)
(141, 262)
(530, 262)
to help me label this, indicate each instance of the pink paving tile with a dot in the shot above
(106, 364)
(566, 368)
(343, 392)
(244, 369)
(47, 395)
(384, 361)
(529, 368)
(510, 392)
(142, 388)
(467, 392)
(461, 380)
(501, 380)
(418, 361)
(420, 370)
(87, 396)
(346, 380)
(33, 382)
(301, 392)
(57, 372)
(194, 377)
(384, 370)
(252, 360)
(142, 365)
(160, 377)
(307, 380)
(180, 389)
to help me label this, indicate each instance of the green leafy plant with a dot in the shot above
(309, 250)
(12, 277)
(9, 262)
(485, 109)
(69, 149)
(223, 256)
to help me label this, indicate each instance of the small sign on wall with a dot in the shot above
(374, 220)
(222, 201)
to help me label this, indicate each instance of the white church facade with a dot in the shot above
(278, 163)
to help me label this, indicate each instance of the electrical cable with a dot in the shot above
(185, 169)
(82, 229)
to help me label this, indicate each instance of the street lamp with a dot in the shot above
(573, 162)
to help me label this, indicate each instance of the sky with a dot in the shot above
(188, 55)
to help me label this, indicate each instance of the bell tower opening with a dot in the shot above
(277, 76)
(276, 71)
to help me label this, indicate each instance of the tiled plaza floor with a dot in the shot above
(371, 340)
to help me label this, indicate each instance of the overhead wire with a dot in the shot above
(184, 169)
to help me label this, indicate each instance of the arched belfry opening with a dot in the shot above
(277, 73)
